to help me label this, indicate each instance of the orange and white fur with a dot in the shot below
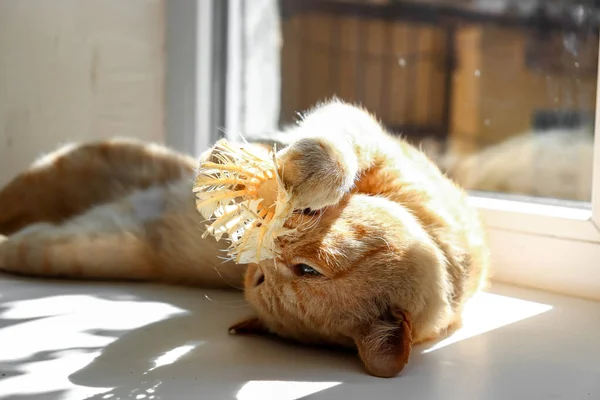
(393, 253)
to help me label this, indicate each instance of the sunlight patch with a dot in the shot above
(56, 336)
(175, 354)
(281, 390)
(486, 312)
(49, 376)
(68, 304)
(68, 321)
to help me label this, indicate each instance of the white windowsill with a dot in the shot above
(69, 340)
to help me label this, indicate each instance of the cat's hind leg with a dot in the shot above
(151, 235)
(104, 243)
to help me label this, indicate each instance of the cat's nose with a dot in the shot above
(259, 277)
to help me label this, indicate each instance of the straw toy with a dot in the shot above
(244, 198)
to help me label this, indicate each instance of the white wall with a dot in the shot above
(78, 70)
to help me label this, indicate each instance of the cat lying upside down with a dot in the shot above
(393, 254)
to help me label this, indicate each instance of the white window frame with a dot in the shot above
(548, 247)
(193, 93)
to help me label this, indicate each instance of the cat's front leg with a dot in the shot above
(330, 148)
(318, 171)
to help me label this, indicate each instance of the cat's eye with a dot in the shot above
(305, 270)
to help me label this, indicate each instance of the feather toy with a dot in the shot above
(244, 198)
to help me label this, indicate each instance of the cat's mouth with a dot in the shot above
(307, 211)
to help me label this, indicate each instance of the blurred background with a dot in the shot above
(500, 94)
(75, 70)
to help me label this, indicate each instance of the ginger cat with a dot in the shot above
(393, 254)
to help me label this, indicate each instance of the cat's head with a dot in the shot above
(362, 276)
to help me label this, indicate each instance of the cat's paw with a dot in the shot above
(317, 172)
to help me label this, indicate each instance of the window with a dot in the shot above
(500, 93)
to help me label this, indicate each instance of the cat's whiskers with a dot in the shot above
(225, 280)
(313, 221)
(229, 304)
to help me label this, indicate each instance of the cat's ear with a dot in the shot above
(249, 326)
(384, 346)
